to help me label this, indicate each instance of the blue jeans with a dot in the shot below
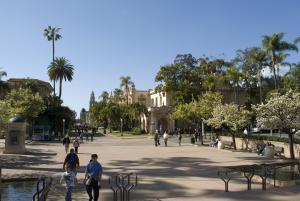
(69, 193)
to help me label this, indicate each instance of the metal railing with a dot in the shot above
(122, 184)
(42, 189)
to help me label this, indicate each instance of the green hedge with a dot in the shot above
(262, 137)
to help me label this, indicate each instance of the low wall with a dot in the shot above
(251, 145)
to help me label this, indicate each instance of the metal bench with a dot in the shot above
(264, 171)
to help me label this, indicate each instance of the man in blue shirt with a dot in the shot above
(93, 175)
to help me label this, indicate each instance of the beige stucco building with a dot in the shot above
(159, 107)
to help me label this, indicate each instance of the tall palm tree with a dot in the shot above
(104, 97)
(118, 95)
(259, 59)
(51, 33)
(233, 77)
(61, 69)
(2, 74)
(3, 85)
(125, 83)
(275, 46)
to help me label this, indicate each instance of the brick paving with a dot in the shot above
(173, 173)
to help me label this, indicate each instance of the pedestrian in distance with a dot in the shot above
(59, 135)
(166, 136)
(76, 144)
(156, 138)
(66, 142)
(72, 160)
(69, 178)
(179, 138)
(92, 179)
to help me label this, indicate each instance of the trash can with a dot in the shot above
(192, 140)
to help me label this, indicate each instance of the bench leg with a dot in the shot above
(225, 178)
(263, 182)
(248, 176)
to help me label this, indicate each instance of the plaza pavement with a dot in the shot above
(172, 173)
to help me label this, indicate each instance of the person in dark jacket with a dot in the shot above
(72, 160)
(66, 143)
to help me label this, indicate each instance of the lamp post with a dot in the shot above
(121, 127)
(64, 127)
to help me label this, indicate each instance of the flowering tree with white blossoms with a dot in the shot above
(281, 112)
(230, 117)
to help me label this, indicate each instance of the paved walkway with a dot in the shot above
(173, 173)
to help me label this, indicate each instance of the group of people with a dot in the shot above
(157, 138)
(196, 136)
(66, 142)
(92, 178)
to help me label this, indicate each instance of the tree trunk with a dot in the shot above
(233, 141)
(54, 93)
(60, 88)
(260, 86)
(274, 70)
(291, 145)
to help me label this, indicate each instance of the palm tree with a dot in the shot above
(61, 69)
(259, 59)
(274, 46)
(51, 33)
(104, 97)
(2, 74)
(118, 95)
(125, 83)
(234, 77)
(3, 85)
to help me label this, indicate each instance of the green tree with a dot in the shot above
(275, 48)
(104, 97)
(2, 74)
(61, 69)
(292, 79)
(25, 103)
(230, 117)
(126, 83)
(252, 61)
(281, 112)
(4, 115)
(233, 76)
(117, 95)
(51, 33)
(3, 85)
(83, 115)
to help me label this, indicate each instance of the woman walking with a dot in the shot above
(166, 136)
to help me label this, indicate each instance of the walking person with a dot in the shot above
(59, 135)
(69, 178)
(179, 138)
(156, 138)
(72, 160)
(166, 136)
(92, 179)
(76, 144)
(66, 143)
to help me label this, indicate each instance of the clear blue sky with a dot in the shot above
(108, 39)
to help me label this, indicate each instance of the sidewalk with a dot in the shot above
(170, 173)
